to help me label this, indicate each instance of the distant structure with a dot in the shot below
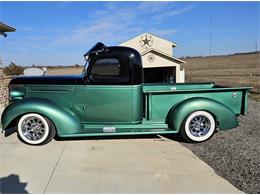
(157, 55)
(35, 71)
(4, 28)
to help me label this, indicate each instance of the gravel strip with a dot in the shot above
(235, 154)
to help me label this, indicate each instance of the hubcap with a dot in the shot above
(33, 128)
(199, 126)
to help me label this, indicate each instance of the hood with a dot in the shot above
(48, 80)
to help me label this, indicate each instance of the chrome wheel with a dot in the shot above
(33, 128)
(199, 125)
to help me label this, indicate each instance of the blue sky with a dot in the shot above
(59, 33)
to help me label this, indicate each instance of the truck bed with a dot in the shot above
(160, 98)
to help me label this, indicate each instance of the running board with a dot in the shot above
(119, 133)
(129, 129)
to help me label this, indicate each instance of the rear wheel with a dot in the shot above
(35, 129)
(198, 127)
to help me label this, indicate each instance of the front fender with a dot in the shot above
(65, 121)
(226, 117)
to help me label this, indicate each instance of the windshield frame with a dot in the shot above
(85, 69)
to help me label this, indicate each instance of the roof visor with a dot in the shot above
(97, 48)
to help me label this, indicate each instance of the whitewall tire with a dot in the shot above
(198, 127)
(35, 129)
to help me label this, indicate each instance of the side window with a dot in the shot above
(108, 67)
(110, 70)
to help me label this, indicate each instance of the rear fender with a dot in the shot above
(225, 117)
(65, 121)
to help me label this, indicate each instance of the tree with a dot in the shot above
(77, 65)
(13, 69)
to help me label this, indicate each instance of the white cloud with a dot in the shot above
(176, 11)
(116, 23)
(153, 6)
(164, 32)
(111, 24)
(26, 29)
(64, 4)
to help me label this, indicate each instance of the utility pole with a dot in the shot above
(210, 35)
(256, 49)
(210, 46)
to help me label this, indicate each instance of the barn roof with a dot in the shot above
(162, 53)
(173, 43)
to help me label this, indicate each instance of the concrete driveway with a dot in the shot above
(123, 165)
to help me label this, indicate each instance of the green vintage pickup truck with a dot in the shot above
(110, 98)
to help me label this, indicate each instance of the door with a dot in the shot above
(109, 93)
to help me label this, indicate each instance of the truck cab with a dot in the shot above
(113, 79)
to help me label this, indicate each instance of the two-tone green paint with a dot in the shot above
(85, 110)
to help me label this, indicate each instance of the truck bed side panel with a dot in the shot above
(159, 103)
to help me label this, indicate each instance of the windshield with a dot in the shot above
(95, 49)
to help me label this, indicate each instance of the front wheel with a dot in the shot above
(198, 127)
(35, 129)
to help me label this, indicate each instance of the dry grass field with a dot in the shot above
(231, 70)
(64, 70)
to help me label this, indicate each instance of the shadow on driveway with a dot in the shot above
(173, 137)
(12, 185)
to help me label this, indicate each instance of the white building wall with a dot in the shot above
(182, 76)
(156, 43)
